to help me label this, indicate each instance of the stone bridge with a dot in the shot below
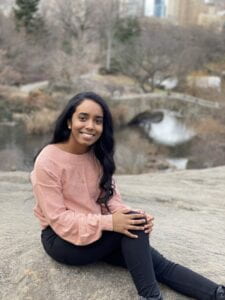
(185, 105)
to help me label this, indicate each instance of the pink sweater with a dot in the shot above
(66, 187)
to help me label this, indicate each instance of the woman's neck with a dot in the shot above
(67, 147)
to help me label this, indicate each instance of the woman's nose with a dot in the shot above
(90, 124)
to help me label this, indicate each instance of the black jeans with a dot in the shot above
(145, 264)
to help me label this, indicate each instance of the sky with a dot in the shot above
(149, 7)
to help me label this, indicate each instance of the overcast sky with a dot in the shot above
(149, 7)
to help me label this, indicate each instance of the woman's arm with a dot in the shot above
(123, 221)
(115, 203)
(77, 228)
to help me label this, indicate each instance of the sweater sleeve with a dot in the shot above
(115, 203)
(77, 228)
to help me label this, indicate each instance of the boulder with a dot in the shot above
(188, 207)
(27, 88)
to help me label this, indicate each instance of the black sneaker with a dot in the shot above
(156, 298)
(220, 293)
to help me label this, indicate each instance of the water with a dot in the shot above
(178, 163)
(17, 149)
(170, 131)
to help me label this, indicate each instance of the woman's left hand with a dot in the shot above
(149, 226)
(149, 219)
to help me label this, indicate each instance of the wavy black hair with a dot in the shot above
(103, 148)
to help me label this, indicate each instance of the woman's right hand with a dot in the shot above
(123, 222)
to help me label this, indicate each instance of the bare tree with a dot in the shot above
(75, 21)
(209, 41)
(108, 19)
(23, 59)
(74, 31)
(149, 58)
(163, 51)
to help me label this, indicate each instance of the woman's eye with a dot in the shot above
(82, 118)
(99, 121)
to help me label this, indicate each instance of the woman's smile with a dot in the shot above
(87, 135)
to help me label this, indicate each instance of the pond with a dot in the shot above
(17, 149)
(135, 153)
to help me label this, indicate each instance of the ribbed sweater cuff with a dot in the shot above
(107, 222)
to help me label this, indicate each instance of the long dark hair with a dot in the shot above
(103, 148)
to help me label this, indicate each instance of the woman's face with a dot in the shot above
(86, 125)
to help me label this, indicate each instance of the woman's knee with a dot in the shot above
(137, 212)
(161, 264)
(143, 238)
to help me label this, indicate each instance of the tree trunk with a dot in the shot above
(109, 51)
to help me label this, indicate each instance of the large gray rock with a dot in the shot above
(189, 210)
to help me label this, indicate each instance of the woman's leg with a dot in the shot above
(135, 255)
(182, 279)
(177, 277)
(135, 251)
(144, 263)
(68, 253)
(138, 258)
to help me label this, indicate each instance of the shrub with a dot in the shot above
(38, 122)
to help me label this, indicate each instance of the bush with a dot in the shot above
(38, 122)
(5, 112)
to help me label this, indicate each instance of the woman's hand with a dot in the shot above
(123, 222)
(149, 225)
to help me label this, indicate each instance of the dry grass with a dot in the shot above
(115, 79)
(119, 114)
(38, 122)
(40, 99)
(24, 102)
(208, 125)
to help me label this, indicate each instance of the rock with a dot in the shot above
(189, 228)
(11, 159)
(27, 88)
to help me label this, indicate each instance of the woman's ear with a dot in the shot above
(69, 124)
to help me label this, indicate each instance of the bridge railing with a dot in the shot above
(172, 96)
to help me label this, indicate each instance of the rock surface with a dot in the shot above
(189, 210)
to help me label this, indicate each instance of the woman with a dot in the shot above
(80, 210)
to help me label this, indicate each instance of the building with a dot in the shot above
(159, 8)
(213, 18)
(185, 12)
